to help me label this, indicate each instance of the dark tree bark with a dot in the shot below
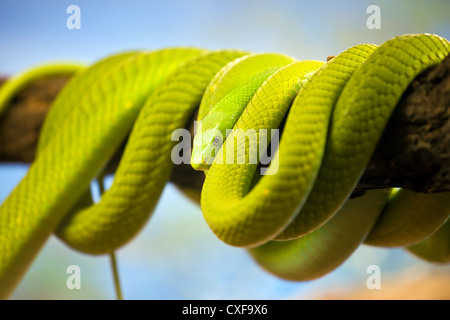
(413, 153)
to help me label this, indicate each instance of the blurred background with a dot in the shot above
(176, 256)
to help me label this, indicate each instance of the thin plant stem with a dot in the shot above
(117, 286)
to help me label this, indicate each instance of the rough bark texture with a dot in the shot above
(413, 153)
(22, 121)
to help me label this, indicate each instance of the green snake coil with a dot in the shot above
(296, 220)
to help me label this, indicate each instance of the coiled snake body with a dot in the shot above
(336, 113)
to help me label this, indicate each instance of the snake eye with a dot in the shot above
(217, 140)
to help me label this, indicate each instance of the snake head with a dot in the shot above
(207, 142)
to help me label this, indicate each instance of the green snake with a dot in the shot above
(296, 219)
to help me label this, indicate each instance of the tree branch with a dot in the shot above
(413, 153)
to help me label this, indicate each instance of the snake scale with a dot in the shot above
(296, 221)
